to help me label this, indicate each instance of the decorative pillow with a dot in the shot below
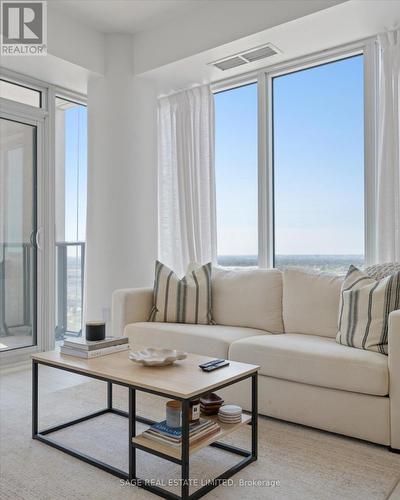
(365, 306)
(186, 300)
(379, 271)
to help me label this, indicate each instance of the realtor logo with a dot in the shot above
(23, 28)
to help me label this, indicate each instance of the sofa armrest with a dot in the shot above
(394, 377)
(130, 305)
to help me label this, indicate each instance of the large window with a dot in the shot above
(71, 186)
(318, 146)
(311, 168)
(236, 176)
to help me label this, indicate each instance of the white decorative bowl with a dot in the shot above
(156, 357)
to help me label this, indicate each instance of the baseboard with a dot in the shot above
(393, 450)
(16, 366)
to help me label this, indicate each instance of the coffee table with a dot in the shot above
(183, 381)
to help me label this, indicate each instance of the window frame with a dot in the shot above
(80, 100)
(264, 79)
(16, 84)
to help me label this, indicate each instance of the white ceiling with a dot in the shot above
(123, 16)
(344, 23)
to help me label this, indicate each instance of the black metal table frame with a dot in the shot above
(249, 456)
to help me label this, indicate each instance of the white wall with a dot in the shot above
(70, 40)
(121, 217)
(74, 51)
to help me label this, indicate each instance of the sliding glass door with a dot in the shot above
(18, 234)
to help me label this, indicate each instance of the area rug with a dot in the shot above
(294, 462)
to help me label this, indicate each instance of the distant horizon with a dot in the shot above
(299, 254)
(338, 263)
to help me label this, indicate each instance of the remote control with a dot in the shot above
(215, 366)
(211, 363)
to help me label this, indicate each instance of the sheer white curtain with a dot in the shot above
(186, 181)
(388, 193)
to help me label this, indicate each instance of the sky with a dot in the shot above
(75, 173)
(318, 163)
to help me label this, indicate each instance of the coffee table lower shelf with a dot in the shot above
(146, 444)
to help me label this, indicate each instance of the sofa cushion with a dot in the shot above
(364, 310)
(316, 361)
(198, 339)
(248, 297)
(311, 302)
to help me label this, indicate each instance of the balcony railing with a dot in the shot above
(70, 282)
(18, 289)
(17, 300)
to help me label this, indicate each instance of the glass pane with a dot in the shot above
(318, 122)
(236, 172)
(17, 234)
(71, 180)
(18, 93)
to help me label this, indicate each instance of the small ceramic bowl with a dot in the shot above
(156, 357)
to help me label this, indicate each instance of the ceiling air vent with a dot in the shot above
(260, 53)
(230, 63)
(247, 56)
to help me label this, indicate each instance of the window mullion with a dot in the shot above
(265, 173)
(370, 152)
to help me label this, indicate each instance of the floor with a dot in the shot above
(294, 463)
(18, 337)
(14, 342)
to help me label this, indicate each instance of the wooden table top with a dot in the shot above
(184, 379)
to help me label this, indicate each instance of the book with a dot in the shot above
(172, 436)
(193, 436)
(207, 432)
(176, 432)
(91, 345)
(93, 354)
(179, 438)
(210, 432)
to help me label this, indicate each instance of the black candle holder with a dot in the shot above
(95, 330)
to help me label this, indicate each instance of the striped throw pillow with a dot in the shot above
(364, 311)
(186, 300)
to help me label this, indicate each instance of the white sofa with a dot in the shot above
(285, 323)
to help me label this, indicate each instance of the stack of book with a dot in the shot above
(172, 436)
(94, 348)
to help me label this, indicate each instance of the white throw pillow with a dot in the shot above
(311, 302)
(186, 300)
(364, 310)
(248, 297)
